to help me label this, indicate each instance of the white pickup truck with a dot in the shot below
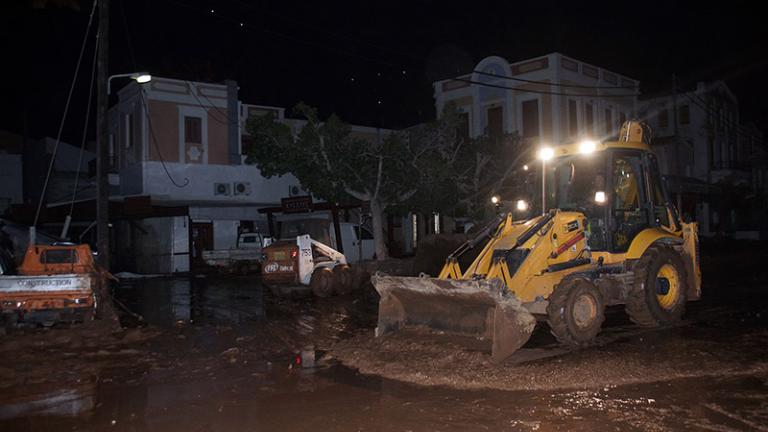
(244, 257)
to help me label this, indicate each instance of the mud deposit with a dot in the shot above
(637, 357)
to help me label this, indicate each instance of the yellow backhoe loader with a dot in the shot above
(610, 236)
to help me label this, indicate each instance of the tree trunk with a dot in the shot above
(377, 216)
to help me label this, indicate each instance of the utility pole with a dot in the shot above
(102, 138)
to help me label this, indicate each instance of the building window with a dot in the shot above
(608, 122)
(685, 114)
(663, 118)
(436, 222)
(589, 118)
(193, 130)
(530, 119)
(129, 131)
(495, 122)
(573, 119)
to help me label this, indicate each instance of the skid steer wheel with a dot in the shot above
(342, 279)
(575, 312)
(321, 282)
(657, 297)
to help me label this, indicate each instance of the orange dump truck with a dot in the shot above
(54, 282)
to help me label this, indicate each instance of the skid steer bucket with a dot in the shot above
(481, 309)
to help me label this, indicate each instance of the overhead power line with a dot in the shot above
(66, 110)
(499, 86)
(146, 111)
(378, 61)
(85, 128)
(506, 77)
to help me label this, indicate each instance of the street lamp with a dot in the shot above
(139, 77)
(545, 154)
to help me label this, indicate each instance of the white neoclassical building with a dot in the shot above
(552, 99)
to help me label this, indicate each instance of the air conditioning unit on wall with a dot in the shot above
(221, 189)
(242, 188)
(294, 190)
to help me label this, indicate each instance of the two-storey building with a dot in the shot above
(706, 153)
(547, 100)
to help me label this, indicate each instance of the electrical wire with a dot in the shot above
(64, 116)
(157, 147)
(85, 128)
(387, 63)
(192, 87)
(414, 56)
(147, 117)
(499, 86)
(550, 83)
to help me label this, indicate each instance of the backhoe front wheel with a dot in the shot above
(575, 312)
(658, 296)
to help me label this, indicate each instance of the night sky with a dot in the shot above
(370, 62)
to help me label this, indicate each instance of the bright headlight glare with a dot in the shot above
(599, 197)
(546, 153)
(522, 205)
(587, 146)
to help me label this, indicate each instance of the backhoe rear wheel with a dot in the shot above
(321, 282)
(575, 312)
(657, 297)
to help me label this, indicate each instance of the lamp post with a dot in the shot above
(545, 154)
(102, 133)
(139, 77)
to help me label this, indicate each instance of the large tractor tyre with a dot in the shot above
(576, 312)
(321, 282)
(657, 297)
(342, 279)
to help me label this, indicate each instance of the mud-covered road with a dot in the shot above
(218, 354)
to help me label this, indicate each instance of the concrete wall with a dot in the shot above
(153, 245)
(225, 234)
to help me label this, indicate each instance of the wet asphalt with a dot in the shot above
(222, 357)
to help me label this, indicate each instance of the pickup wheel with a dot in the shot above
(342, 279)
(321, 282)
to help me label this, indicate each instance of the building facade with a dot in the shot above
(710, 158)
(179, 148)
(548, 100)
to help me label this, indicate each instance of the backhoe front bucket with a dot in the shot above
(482, 309)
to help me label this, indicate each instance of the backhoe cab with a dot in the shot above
(611, 237)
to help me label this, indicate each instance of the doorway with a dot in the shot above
(202, 240)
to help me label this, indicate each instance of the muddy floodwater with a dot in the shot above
(220, 354)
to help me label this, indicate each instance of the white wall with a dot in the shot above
(225, 234)
(161, 245)
(195, 183)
